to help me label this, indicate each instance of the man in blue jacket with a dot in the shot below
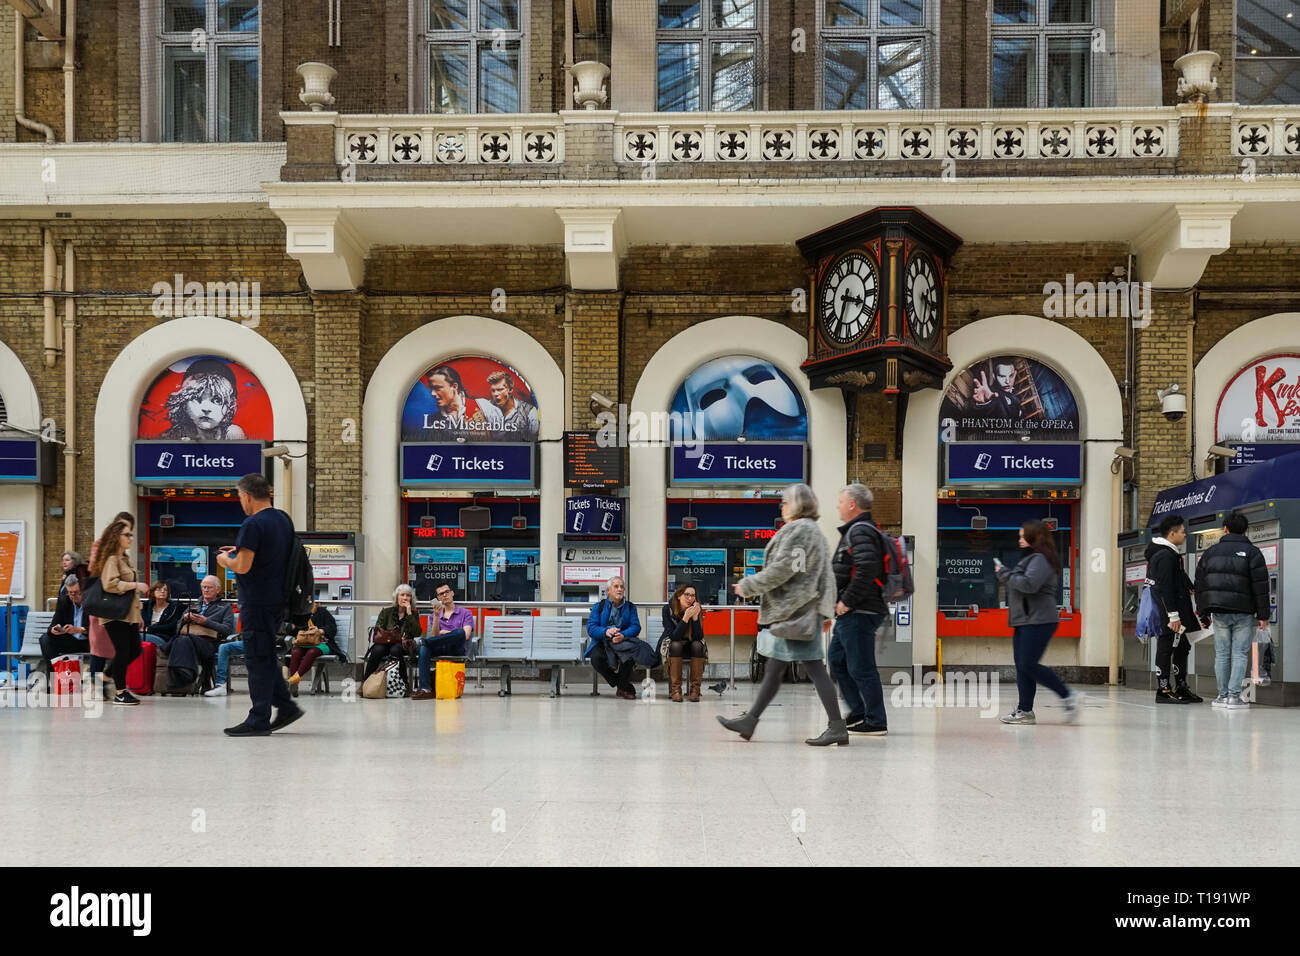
(613, 626)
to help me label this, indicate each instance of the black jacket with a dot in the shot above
(167, 622)
(675, 629)
(1172, 588)
(859, 566)
(323, 619)
(63, 614)
(1232, 577)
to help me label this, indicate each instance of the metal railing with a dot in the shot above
(644, 614)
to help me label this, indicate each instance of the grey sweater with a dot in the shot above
(1031, 591)
(796, 569)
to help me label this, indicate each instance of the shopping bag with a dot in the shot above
(66, 676)
(449, 680)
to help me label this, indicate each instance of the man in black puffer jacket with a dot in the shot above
(1172, 589)
(858, 565)
(1232, 594)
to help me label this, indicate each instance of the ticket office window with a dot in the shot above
(183, 553)
(965, 570)
(727, 545)
(498, 564)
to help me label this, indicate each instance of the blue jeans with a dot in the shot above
(1232, 637)
(852, 659)
(163, 643)
(1028, 645)
(224, 653)
(450, 644)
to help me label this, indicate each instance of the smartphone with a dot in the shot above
(437, 462)
(982, 462)
(706, 462)
(165, 460)
(577, 520)
(607, 522)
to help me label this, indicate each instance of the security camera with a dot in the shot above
(1173, 403)
(599, 403)
(1123, 451)
(1222, 451)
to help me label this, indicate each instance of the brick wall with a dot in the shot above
(1163, 357)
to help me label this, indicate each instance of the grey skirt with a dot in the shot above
(782, 650)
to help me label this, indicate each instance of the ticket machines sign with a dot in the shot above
(468, 465)
(739, 463)
(593, 514)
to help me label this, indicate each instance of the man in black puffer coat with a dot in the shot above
(1232, 586)
(1172, 589)
(858, 565)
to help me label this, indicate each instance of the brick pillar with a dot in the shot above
(338, 396)
(1164, 356)
(597, 363)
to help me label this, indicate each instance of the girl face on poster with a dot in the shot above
(204, 406)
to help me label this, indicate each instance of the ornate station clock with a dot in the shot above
(879, 283)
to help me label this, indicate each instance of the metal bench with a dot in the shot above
(320, 675)
(38, 622)
(554, 640)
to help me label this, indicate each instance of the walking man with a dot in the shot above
(859, 571)
(259, 558)
(1172, 589)
(1232, 594)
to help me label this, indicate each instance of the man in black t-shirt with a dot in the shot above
(259, 558)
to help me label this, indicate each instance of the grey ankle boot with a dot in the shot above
(836, 733)
(743, 725)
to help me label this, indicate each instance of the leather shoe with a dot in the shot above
(423, 695)
(284, 718)
(246, 730)
(625, 694)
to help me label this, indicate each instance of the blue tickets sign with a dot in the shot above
(593, 514)
(196, 462)
(744, 463)
(478, 465)
(1010, 464)
(20, 459)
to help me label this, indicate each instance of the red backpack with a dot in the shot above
(898, 573)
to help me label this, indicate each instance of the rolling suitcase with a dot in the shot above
(140, 673)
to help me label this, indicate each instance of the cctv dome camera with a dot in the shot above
(1173, 403)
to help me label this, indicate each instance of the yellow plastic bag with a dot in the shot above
(449, 680)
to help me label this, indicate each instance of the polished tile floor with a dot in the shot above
(576, 780)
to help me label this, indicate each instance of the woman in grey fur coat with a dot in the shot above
(796, 571)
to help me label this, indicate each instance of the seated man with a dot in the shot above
(67, 633)
(213, 611)
(615, 650)
(450, 630)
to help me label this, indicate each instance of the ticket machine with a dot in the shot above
(1269, 496)
(894, 636)
(1137, 659)
(586, 565)
(335, 556)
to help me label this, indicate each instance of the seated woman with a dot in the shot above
(310, 642)
(161, 616)
(403, 617)
(684, 633)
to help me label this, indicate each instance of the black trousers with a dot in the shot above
(258, 627)
(379, 653)
(620, 679)
(126, 645)
(688, 649)
(55, 645)
(1171, 658)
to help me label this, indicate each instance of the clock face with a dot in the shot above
(849, 293)
(922, 292)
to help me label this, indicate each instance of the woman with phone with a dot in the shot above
(1033, 614)
(684, 632)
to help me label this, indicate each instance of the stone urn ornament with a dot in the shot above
(1196, 83)
(591, 77)
(316, 78)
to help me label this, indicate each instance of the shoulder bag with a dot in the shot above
(101, 604)
(803, 625)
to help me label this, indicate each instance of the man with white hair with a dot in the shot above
(859, 575)
(613, 626)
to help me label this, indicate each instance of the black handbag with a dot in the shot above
(105, 606)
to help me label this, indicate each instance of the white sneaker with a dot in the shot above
(221, 690)
(1071, 704)
(1221, 701)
